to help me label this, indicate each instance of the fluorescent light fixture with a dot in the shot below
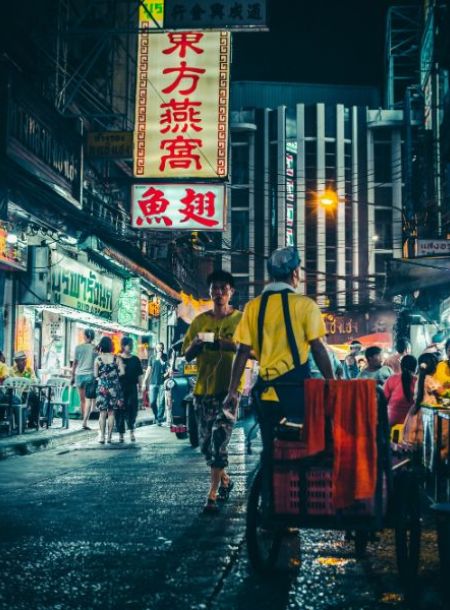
(12, 239)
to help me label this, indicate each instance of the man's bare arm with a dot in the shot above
(321, 358)
(239, 362)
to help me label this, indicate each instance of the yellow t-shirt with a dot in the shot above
(276, 358)
(442, 374)
(214, 366)
(4, 370)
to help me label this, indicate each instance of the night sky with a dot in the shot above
(316, 41)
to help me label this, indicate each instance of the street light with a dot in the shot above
(328, 199)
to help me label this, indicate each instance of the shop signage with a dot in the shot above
(290, 160)
(342, 329)
(178, 206)
(80, 287)
(13, 256)
(110, 145)
(182, 105)
(151, 14)
(130, 306)
(211, 14)
(432, 247)
(154, 307)
(42, 142)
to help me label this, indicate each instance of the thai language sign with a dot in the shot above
(110, 144)
(181, 126)
(432, 247)
(178, 206)
(79, 287)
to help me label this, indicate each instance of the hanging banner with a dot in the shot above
(181, 126)
(178, 206)
(246, 15)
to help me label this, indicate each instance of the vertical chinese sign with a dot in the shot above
(181, 127)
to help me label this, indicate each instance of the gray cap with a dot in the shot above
(283, 261)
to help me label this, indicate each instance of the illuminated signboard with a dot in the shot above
(13, 256)
(181, 126)
(178, 206)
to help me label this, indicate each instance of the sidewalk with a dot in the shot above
(33, 440)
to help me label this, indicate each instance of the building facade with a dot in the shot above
(284, 158)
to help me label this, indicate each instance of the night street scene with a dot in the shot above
(225, 305)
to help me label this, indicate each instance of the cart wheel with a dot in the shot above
(407, 528)
(361, 540)
(181, 435)
(263, 540)
(193, 426)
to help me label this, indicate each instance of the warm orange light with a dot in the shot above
(328, 198)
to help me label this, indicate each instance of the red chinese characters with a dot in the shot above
(153, 205)
(176, 206)
(181, 115)
(199, 207)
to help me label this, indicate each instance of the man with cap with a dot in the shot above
(20, 368)
(281, 327)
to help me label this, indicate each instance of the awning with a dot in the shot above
(160, 287)
(409, 275)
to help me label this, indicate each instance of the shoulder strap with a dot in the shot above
(261, 315)
(290, 333)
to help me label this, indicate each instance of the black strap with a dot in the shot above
(262, 312)
(287, 320)
(290, 333)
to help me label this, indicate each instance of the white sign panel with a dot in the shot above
(432, 247)
(181, 126)
(194, 207)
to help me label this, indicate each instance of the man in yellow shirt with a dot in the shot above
(281, 327)
(209, 339)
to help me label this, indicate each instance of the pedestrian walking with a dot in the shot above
(399, 390)
(375, 368)
(281, 327)
(351, 367)
(108, 369)
(131, 379)
(402, 348)
(209, 339)
(83, 374)
(155, 375)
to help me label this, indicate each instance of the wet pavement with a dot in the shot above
(86, 526)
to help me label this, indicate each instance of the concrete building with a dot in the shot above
(291, 143)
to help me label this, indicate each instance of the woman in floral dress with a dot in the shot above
(107, 370)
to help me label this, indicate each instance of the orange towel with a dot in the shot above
(355, 413)
(314, 415)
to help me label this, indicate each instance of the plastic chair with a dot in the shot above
(21, 390)
(60, 398)
(6, 405)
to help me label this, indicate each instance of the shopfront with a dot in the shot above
(61, 298)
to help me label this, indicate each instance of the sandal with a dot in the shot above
(224, 492)
(211, 507)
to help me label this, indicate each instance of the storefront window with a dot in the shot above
(24, 333)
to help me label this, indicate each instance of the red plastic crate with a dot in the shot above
(288, 450)
(286, 492)
(319, 493)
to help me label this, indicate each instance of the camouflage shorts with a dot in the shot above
(214, 429)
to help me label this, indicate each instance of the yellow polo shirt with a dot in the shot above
(276, 358)
(213, 365)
